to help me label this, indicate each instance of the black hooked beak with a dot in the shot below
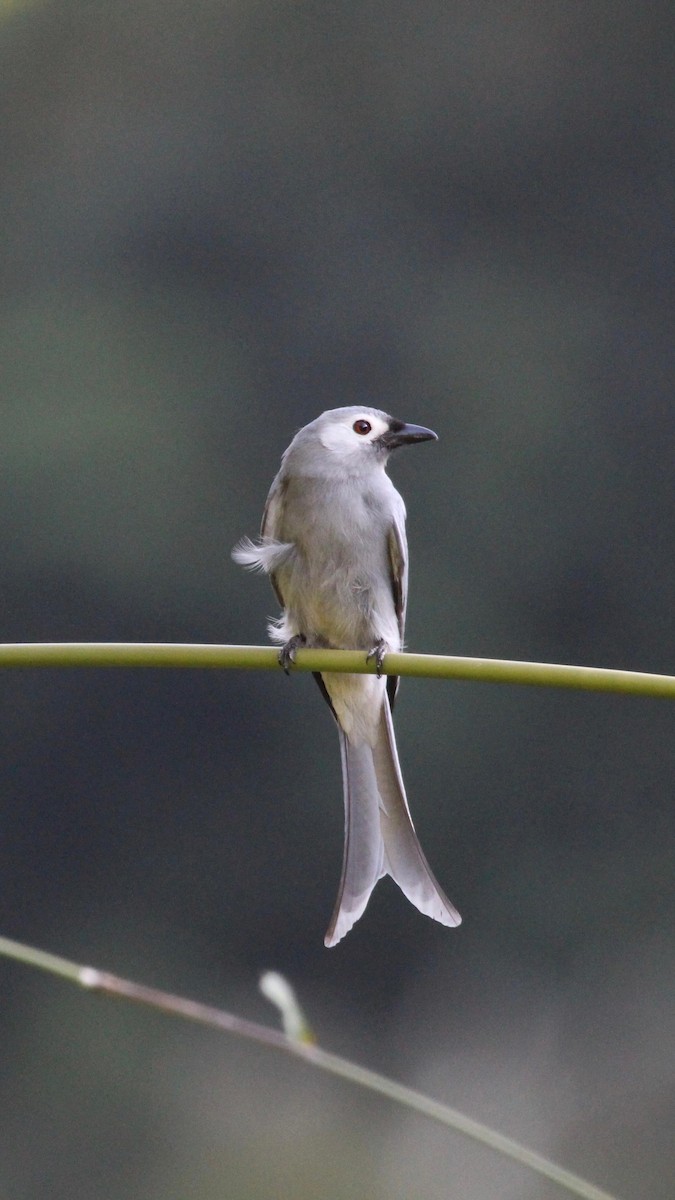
(400, 434)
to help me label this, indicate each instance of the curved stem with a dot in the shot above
(215, 1018)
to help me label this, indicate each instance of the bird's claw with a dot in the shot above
(289, 650)
(378, 652)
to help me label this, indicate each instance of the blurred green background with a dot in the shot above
(217, 220)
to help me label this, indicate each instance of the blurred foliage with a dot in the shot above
(218, 220)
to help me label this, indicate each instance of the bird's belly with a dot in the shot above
(335, 606)
(336, 586)
(338, 609)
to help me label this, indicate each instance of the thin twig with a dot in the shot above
(215, 1018)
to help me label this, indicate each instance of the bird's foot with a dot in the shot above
(289, 650)
(378, 652)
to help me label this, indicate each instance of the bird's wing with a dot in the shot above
(270, 525)
(398, 561)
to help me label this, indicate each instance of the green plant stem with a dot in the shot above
(215, 1018)
(264, 658)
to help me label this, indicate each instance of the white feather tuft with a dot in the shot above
(265, 555)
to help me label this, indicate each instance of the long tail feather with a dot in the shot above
(404, 858)
(363, 858)
(380, 838)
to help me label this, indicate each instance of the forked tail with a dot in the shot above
(380, 838)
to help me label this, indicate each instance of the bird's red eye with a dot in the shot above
(362, 427)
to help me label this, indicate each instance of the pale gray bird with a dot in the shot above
(333, 543)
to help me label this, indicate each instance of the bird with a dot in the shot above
(333, 543)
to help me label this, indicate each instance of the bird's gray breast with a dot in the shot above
(337, 581)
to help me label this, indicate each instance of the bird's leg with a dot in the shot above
(289, 650)
(378, 652)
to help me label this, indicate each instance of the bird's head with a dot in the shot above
(365, 435)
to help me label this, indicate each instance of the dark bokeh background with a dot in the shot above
(217, 220)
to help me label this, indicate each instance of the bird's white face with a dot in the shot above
(352, 432)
